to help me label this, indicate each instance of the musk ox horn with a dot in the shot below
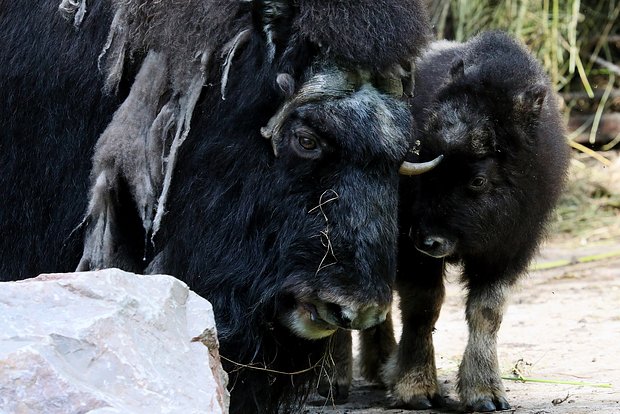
(417, 168)
(391, 80)
(391, 86)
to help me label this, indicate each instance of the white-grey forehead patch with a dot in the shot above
(322, 86)
(454, 128)
(370, 104)
(437, 48)
(332, 88)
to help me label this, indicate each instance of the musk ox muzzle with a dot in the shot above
(315, 319)
(434, 245)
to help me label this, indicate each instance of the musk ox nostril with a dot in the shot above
(363, 317)
(435, 246)
(433, 243)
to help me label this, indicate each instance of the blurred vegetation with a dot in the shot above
(576, 40)
(589, 211)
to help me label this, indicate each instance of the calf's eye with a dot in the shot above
(477, 183)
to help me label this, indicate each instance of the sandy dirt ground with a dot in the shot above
(562, 325)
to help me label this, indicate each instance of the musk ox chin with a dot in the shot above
(249, 148)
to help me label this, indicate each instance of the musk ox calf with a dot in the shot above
(487, 106)
(250, 148)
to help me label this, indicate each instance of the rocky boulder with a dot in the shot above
(108, 342)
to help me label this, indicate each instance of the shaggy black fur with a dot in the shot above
(510, 134)
(378, 33)
(52, 112)
(266, 250)
(242, 227)
(487, 106)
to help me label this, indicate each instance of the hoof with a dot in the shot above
(501, 404)
(482, 406)
(488, 405)
(420, 403)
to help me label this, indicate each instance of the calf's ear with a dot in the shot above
(529, 103)
(458, 69)
(528, 106)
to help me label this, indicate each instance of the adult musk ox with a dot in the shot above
(488, 107)
(250, 148)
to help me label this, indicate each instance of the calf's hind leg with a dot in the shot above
(480, 385)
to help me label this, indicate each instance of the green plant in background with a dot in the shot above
(570, 37)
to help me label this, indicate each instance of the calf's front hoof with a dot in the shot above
(416, 402)
(488, 405)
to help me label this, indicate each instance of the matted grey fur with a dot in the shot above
(129, 149)
(141, 143)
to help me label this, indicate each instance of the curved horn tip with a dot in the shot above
(417, 168)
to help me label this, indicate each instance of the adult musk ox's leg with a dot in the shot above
(480, 385)
(410, 373)
(377, 344)
(337, 371)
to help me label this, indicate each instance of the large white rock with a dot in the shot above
(108, 342)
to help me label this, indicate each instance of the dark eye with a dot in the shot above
(308, 143)
(478, 183)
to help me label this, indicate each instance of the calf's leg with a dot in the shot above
(479, 384)
(376, 343)
(376, 346)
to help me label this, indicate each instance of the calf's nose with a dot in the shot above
(435, 246)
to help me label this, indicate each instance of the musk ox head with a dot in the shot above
(341, 140)
(312, 223)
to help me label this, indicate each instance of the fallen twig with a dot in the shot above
(558, 401)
